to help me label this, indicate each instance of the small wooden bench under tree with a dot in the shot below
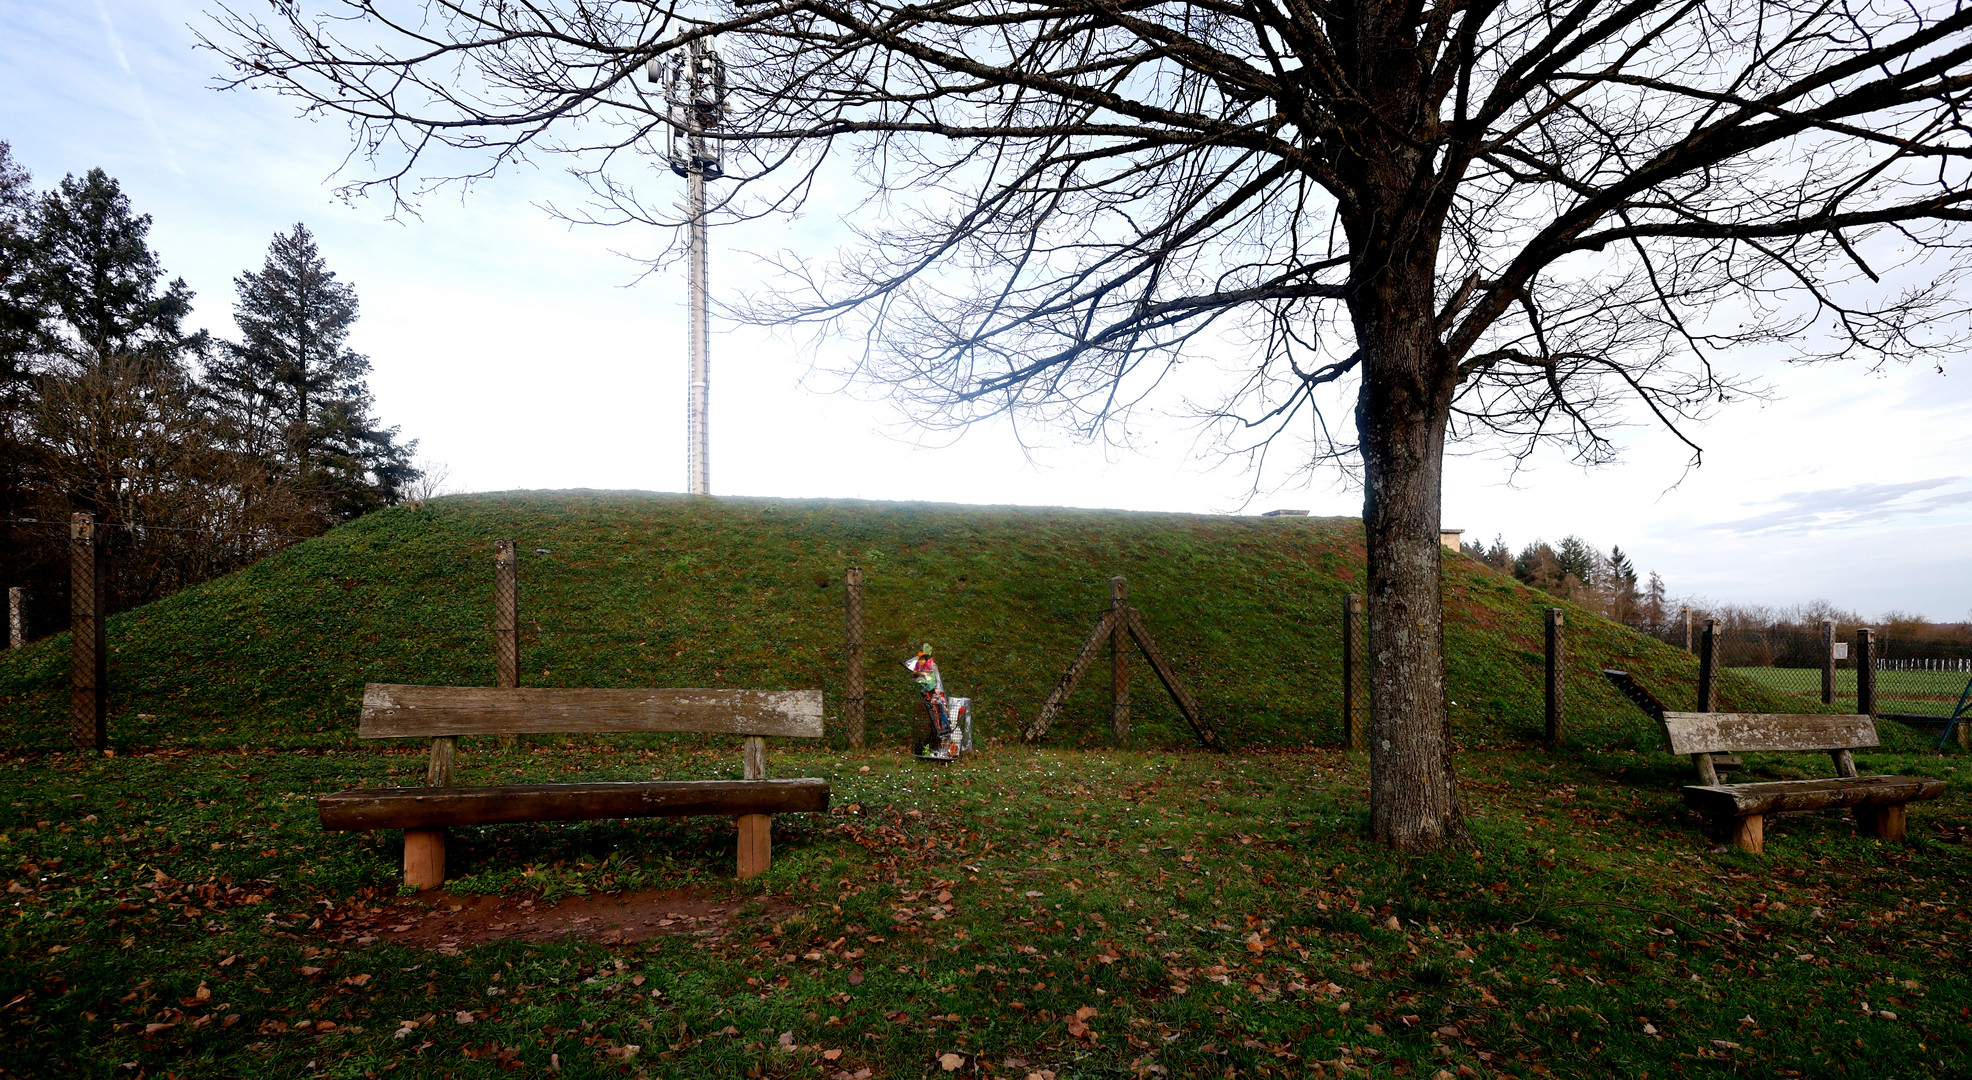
(443, 713)
(1739, 811)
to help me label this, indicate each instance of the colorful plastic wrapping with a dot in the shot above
(951, 717)
(958, 724)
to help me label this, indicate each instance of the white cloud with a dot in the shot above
(1858, 505)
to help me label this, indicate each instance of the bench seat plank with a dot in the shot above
(397, 711)
(430, 807)
(1713, 733)
(1781, 796)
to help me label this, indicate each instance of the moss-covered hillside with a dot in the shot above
(627, 589)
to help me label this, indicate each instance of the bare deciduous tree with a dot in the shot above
(124, 438)
(1517, 219)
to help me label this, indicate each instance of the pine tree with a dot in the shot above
(1654, 606)
(99, 281)
(294, 393)
(1537, 566)
(23, 561)
(1619, 583)
(20, 306)
(110, 423)
(106, 352)
(1621, 568)
(1577, 558)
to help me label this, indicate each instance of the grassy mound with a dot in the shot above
(628, 589)
(179, 911)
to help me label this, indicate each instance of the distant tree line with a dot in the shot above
(1609, 585)
(1905, 634)
(1579, 572)
(197, 453)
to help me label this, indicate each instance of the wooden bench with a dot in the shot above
(443, 713)
(1740, 810)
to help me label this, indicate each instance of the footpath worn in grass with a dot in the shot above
(649, 590)
(1026, 913)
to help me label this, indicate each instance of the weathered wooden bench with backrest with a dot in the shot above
(443, 713)
(1740, 810)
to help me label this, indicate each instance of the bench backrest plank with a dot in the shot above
(1725, 733)
(396, 711)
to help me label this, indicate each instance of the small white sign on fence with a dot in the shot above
(1841, 650)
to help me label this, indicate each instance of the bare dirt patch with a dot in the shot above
(446, 923)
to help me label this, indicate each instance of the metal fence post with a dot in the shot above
(1352, 726)
(1556, 687)
(1707, 665)
(1828, 661)
(1119, 660)
(852, 656)
(89, 646)
(506, 623)
(1865, 671)
(506, 614)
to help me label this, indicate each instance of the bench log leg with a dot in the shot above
(756, 844)
(1749, 834)
(424, 858)
(1882, 822)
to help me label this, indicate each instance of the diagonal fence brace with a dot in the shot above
(1132, 622)
(1065, 685)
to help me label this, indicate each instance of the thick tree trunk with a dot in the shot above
(1402, 413)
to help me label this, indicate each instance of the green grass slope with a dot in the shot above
(630, 589)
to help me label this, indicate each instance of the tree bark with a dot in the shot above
(1401, 415)
(1409, 380)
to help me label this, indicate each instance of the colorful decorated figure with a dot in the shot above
(951, 725)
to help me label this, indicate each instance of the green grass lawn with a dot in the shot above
(179, 911)
(1073, 911)
(1896, 691)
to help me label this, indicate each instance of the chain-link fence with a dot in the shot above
(1912, 676)
(1922, 677)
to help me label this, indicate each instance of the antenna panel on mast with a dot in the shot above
(695, 99)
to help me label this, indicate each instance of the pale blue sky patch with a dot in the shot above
(143, 100)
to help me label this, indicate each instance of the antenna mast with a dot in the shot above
(694, 83)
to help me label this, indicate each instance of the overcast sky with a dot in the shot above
(521, 355)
